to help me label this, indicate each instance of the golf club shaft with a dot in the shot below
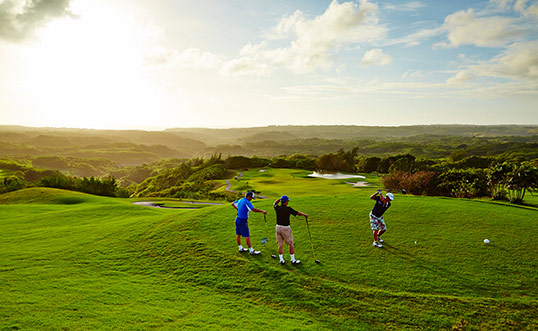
(310, 236)
(266, 231)
(267, 234)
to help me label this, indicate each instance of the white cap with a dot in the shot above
(390, 196)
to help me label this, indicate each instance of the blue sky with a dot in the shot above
(221, 63)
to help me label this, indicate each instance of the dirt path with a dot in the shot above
(229, 185)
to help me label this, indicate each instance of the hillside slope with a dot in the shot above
(103, 263)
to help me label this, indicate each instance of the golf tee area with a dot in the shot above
(73, 261)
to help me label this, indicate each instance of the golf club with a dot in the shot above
(264, 240)
(402, 190)
(311, 245)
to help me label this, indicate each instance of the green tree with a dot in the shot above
(498, 179)
(367, 164)
(521, 178)
(331, 162)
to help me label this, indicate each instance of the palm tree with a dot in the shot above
(520, 179)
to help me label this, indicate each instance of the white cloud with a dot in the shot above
(519, 6)
(406, 7)
(376, 57)
(287, 25)
(244, 66)
(415, 38)
(464, 28)
(20, 19)
(459, 78)
(531, 11)
(252, 50)
(501, 5)
(413, 74)
(313, 40)
(195, 58)
(312, 43)
(519, 61)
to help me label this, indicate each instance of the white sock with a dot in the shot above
(251, 249)
(240, 247)
(281, 257)
(292, 256)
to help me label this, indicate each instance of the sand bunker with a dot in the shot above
(359, 184)
(337, 175)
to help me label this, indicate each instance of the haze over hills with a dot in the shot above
(210, 136)
(135, 147)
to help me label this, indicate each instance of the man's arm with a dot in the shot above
(302, 214)
(259, 211)
(376, 194)
(276, 203)
(234, 204)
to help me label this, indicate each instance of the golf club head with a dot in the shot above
(273, 256)
(264, 240)
(318, 261)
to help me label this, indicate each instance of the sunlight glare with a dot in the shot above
(88, 71)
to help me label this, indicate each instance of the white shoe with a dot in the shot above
(295, 261)
(380, 240)
(255, 253)
(376, 244)
(243, 249)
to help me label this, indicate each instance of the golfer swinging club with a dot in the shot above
(376, 215)
(244, 206)
(283, 229)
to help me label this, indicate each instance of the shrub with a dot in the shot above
(367, 164)
(11, 183)
(469, 183)
(419, 183)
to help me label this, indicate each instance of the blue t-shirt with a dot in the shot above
(243, 207)
(380, 207)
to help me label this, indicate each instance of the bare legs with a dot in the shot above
(247, 240)
(281, 249)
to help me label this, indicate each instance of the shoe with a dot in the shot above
(295, 261)
(243, 249)
(282, 262)
(376, 244)
(379, 240)
(255, 253)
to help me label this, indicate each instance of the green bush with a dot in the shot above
(419, 183)
(11, 183)
(459, 183)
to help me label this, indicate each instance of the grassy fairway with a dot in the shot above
(275, 182)
(74, 261)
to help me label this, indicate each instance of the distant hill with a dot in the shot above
(137, 147)
(125, 147)
(352, 132)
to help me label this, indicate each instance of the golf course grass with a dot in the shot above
(79, 262)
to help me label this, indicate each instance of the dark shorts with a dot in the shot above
(241, 227)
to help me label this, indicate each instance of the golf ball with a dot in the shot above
(486, 241)
(415, 242)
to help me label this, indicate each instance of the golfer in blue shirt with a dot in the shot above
(244, 206)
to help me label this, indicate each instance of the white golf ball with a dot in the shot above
(486, 241)
(415, 242)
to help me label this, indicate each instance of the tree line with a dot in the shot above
(508, 176)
